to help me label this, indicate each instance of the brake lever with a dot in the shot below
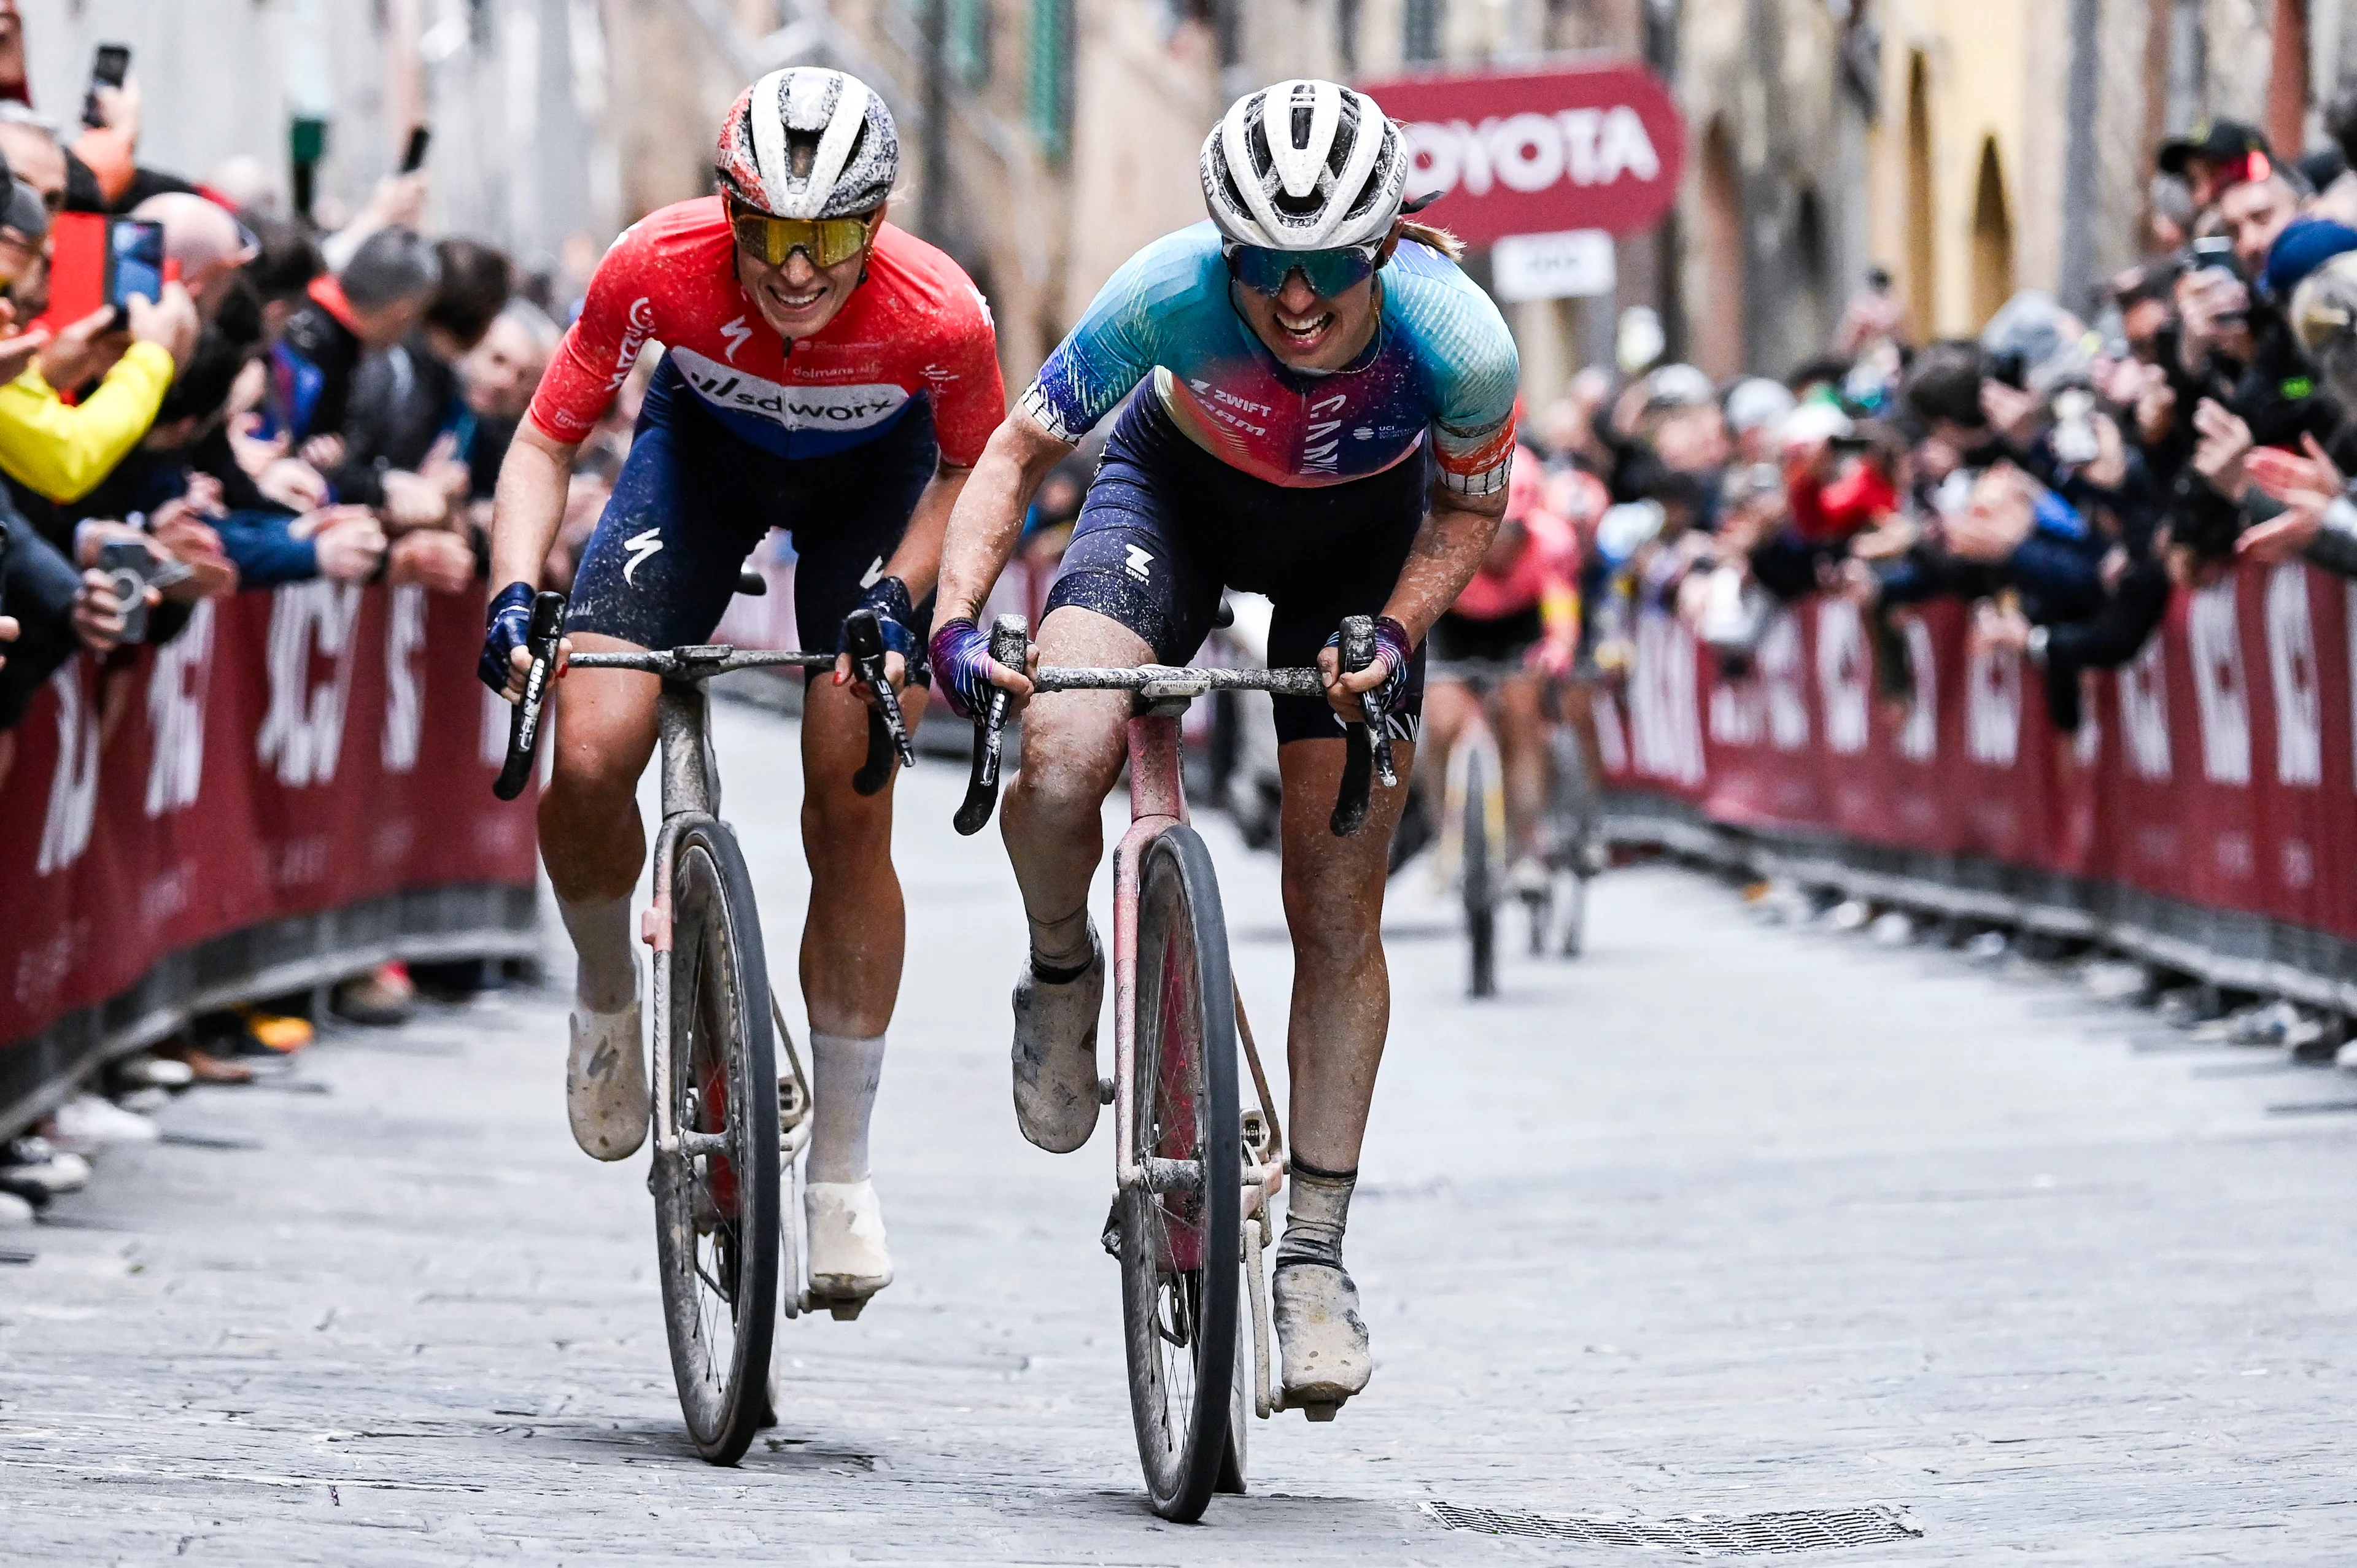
(546, 631)
(1010, 646)
(1356, 650)
(888, 729)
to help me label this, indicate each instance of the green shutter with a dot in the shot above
(1423, 23)
(1052, 77)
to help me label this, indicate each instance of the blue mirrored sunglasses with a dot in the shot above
(1327, 272)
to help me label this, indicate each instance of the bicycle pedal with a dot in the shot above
(1105, 1091)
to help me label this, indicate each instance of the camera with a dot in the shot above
(131, 570)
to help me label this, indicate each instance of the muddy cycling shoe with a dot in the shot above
(848, 1259)
(1321, 1336)
(1056, 1053)
(606, 1083)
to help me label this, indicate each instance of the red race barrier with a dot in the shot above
(2218, 772)
(292, 752)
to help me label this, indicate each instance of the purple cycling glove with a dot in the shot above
(1392, 647)
(961, 666)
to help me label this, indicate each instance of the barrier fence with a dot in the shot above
(2204, 816)
(296, 787)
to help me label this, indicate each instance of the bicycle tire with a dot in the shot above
(1181, 1260)
(1479, 878)
(717, 1222)
(1572, 806)
(1233, 1455)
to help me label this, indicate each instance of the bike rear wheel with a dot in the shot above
(1481, 879)
(717, 1222)
(1181, 1246)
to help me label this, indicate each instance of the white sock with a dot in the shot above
(845, 1074)
(607, 978)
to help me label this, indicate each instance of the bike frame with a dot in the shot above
(1157, 802)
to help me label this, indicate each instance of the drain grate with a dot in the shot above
(1696, 1535)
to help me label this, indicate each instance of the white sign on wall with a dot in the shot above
(1575, 264)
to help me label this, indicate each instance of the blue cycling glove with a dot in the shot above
(961, 666)
(507, 627)
(1392, 647)
(895, 617)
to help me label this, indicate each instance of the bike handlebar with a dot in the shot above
(694, 661)
(1010, 646)
(546, 630)
(887, 731)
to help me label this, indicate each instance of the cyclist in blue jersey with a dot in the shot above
(1330, 422)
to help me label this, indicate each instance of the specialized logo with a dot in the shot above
(642, 327)
(737, 333)
(732, 390)
(641, 546)
(1139, 560)
(874, 574)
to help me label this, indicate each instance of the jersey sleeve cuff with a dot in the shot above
(1034, 402)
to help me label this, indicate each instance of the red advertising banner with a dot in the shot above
(2217, 771)
(1593, 146)
(290, 752)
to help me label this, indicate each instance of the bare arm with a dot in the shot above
(1447, 550)
(525, 515)
(918, 561)
(989, 516)
(530, 505)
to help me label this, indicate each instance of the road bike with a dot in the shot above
(1475, 847)
(730, 1134)
(1195, 1171)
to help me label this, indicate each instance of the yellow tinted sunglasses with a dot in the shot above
(825, 241)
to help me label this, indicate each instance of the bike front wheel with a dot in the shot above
(716, 1226)
(1181, 1238)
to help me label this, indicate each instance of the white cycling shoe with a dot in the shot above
(848, 1262)
(1056, 1094)
(606, 1082)
(1321, 1336)
(1527, 878)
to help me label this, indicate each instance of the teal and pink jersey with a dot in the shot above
(1441, 365)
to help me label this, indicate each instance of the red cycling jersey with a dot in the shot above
(1542, 564)
(916, 328)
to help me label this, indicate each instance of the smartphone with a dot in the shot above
(134, 262)
(413, 158)
(109, 68)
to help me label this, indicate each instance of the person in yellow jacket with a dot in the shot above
(63, 450)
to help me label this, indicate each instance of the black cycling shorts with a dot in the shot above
(1166, 528)
(1506, 640)
(693, 500)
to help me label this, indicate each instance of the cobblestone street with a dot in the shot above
(1720, 1218)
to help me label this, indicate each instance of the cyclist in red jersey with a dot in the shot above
(824, 372)
(1520, 608)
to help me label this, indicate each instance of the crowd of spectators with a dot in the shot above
(2066, 472)
(298, 402)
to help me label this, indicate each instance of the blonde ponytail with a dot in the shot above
(1438, 239)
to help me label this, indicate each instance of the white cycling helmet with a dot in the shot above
(806, 142)
(1304, 166)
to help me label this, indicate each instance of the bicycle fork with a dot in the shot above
(691, 794)
(1157, 804)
